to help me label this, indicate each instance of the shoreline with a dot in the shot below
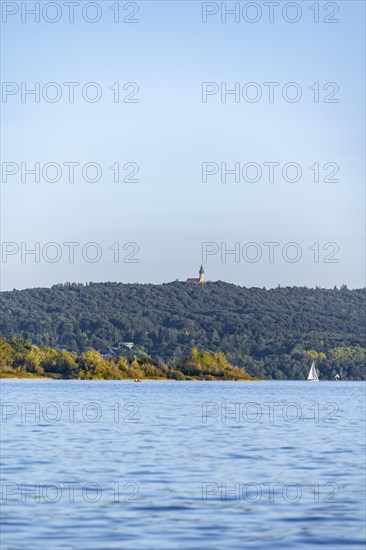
(119, 380)
(35, 378)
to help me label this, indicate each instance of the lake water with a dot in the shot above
(107, 465)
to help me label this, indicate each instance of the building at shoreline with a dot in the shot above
(198, 280)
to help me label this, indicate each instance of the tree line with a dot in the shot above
(270, 333)
(22, 359)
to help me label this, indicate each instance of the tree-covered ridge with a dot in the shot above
(22, 359)
(271, 333)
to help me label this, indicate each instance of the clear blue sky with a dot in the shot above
(170, 212)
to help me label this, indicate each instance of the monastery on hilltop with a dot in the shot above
(198, 280)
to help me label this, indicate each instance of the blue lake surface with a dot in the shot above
(101, 465)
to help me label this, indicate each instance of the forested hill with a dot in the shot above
(272, 333)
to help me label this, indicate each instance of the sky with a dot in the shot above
(263, 185)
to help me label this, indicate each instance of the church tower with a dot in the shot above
(202, 275)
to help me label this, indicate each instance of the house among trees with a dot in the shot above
(198, 280)
(128, 345)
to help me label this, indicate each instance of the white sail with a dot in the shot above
(312, 373)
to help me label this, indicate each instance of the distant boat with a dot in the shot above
(312, 376)
(337, 377)
(137, 380)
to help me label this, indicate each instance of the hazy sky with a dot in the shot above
(162, 130)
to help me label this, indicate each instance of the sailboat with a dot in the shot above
(312, 376)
